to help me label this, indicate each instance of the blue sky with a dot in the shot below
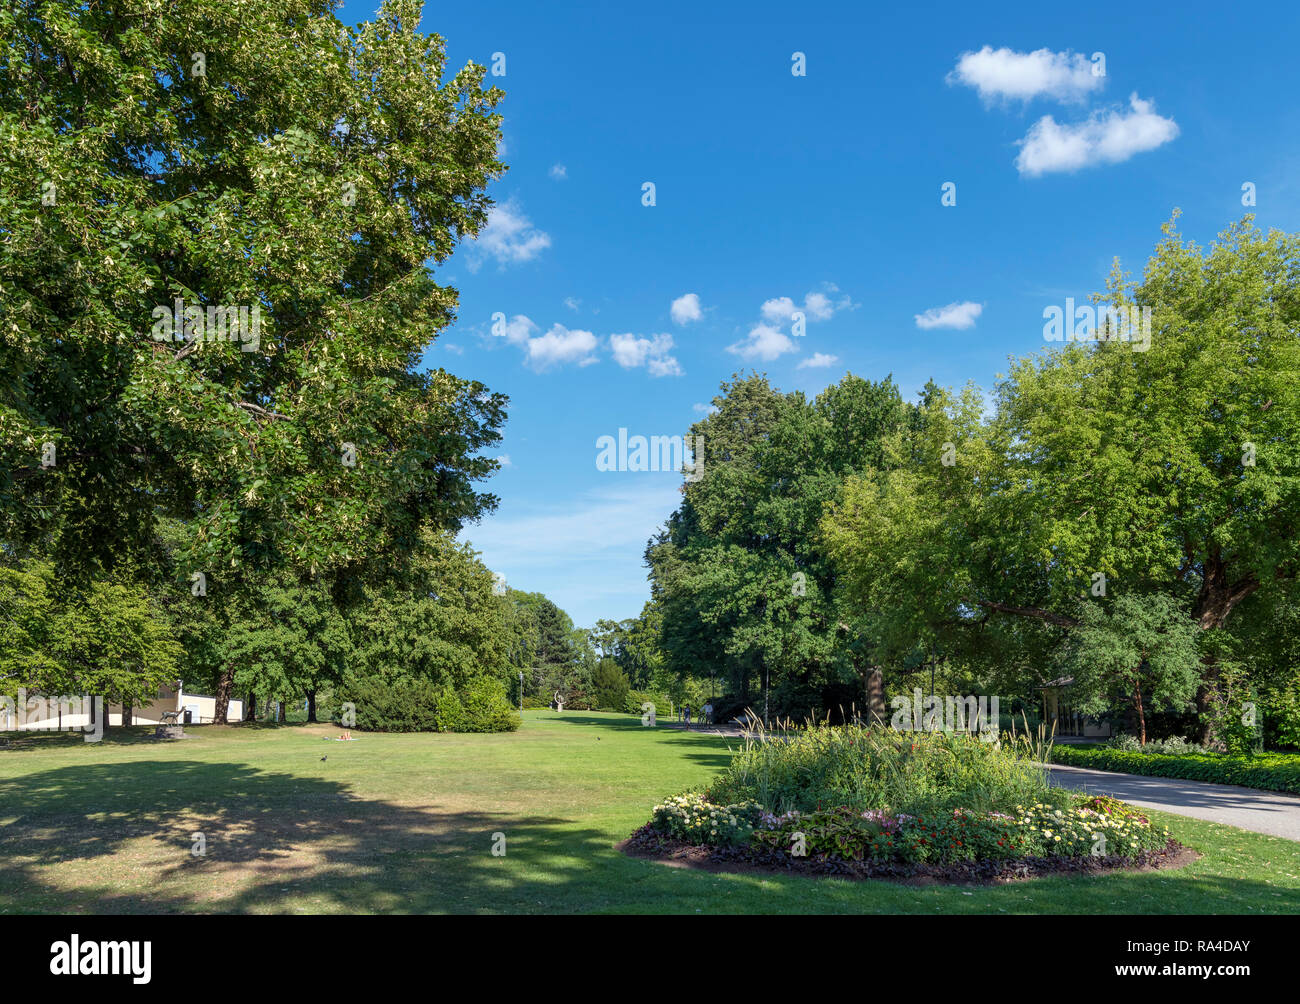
(824, 189)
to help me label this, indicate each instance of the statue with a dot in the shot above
(559, 701)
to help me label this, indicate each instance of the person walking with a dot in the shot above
(686, 708)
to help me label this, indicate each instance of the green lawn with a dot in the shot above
(404, 823)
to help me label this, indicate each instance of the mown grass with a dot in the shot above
(405, 823)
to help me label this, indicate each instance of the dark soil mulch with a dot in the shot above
(647, 843)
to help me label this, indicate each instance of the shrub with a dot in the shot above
(632, 704)
(485, 708)
(876, 768)
(1173, 746)
(1281, 717)
(404, 704)
(609, 685)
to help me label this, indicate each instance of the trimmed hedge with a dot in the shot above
(1269, 771)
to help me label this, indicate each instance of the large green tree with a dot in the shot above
(1105, 468)
(441, 624)
(747, 591)
(256, 155)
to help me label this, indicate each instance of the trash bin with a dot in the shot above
(189, 717)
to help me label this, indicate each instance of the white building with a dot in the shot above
(43, 714)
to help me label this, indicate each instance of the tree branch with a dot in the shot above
(261, 412)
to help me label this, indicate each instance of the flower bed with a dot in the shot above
(1083, 834)
(868, 801)
(1089, 826)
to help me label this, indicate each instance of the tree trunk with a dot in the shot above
(279, 713)
(311, 704)
(250, 708)
(1137, 704)
(1205, 699)
(875, 696)
(127, 717)
(222, 710)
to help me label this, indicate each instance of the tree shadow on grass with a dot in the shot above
(119, 838)
(711, 751)
(608, 720)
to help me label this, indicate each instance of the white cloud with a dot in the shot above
(818, 360)
(631, 352)
(817, 306)
(573, 303)
(777, 309)
(556, 347)
(686, 309)
(509, 237)
(453, 349)
(1105, 138)
(560, 346)
(955, 315)
(559, 172)
(665, 366)
(764, 342)
(505, 461)
(704, 409)
(517, 330)
(1009, 75)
